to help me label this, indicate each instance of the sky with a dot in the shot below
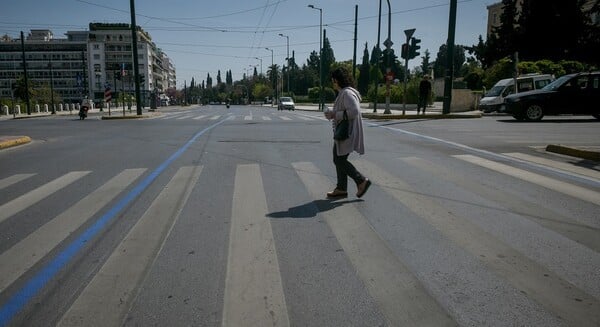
(202, 37)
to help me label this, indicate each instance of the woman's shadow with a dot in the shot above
(311, 209)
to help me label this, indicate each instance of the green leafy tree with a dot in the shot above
(261, 91)
(219, 81)
(439, 67)
(552, 29)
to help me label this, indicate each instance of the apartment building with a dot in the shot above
(86, 63)
(111, 60)
(60, 63)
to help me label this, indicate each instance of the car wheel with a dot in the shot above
(534, 112)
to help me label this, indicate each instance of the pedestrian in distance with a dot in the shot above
(347, 103)
(424, 92)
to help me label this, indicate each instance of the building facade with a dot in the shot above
(86, 63)
(59, 64)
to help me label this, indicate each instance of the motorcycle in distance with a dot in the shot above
(83, 109)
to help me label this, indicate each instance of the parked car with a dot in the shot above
(286, 103)
(577, 94)
(493, 100)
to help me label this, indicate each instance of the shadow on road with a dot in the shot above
(310, 209)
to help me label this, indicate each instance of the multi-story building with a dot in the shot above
(54, 63)
(85, 63)
(111, 60)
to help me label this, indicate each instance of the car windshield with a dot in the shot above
(285, 99)
(557, 83)
(495, 91)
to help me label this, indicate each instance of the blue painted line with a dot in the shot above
(22, 297)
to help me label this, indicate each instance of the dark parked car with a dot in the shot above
(577, 94)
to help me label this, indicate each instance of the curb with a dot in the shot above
(573, 152)
(10, 142)
(415, 116)
(143, 116)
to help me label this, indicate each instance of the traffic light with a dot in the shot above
(404, 53)
(414, 46)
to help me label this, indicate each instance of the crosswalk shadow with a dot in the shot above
(311, 209)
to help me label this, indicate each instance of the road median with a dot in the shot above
(10, 141)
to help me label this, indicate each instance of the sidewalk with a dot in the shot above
(433, 111)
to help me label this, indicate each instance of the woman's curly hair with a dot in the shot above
(343, 77)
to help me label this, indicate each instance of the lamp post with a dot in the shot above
(288, 62)
(272, 68)
(51, 84)
(320, 53)
(260, 63)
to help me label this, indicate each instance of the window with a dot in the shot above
(96, 47)
(96, 57)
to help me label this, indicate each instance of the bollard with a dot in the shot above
(45, 107)
(18, 109)
(4, 110)
(60, 107)
(36, 108)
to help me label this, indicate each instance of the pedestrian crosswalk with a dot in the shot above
(460, 252)
(178, 116)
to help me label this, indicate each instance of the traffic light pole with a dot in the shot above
(136, 69)
(450, 58)
(409, 33)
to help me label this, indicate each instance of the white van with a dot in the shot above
(493, 100)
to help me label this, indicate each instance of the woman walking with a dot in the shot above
(347, 104)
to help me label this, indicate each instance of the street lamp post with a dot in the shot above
(272, 68)
(288, 62)
(51, 85)
(260, 63)
(321, 107)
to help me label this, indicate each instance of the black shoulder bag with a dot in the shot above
(342, 128)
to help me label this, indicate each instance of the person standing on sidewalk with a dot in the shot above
(424, 92)
(348, 100)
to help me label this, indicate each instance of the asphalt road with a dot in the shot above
(206, 217)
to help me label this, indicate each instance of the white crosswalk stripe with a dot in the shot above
(35, 246)
(486, 274)
(107, 298)
(559, 186)
(24, 201)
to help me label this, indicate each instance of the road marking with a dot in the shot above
(556, 164)
(253, 288)
(560, 297)
(285, 118)
(8, 181)
(549, 183)
(248, 117)
(23, 255)
(33, 285)
(107, 298)
(397, 291)
(33, 197)
(266, 118)
(185, 116)
(199, 117)
(574, 228)
(594, 183)
(215, 117)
